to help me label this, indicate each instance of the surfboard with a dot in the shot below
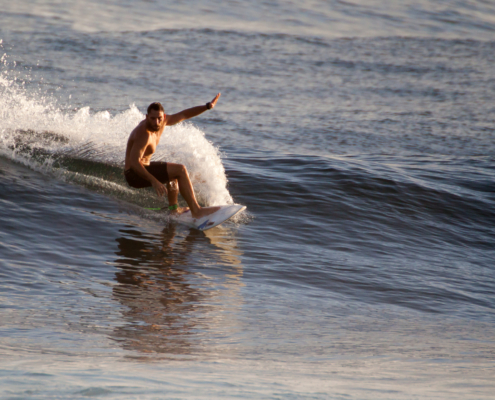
(210, 221)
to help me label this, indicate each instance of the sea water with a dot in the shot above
(358, 134)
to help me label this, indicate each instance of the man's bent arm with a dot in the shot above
(191, 112)
(137, 152)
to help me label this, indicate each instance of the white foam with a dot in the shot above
(101, 137)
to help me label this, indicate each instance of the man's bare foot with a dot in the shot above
(204, 211)
(182, 210)
(179, 211)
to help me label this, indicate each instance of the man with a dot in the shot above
(140, 172)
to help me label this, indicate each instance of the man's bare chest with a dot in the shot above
(151, 147)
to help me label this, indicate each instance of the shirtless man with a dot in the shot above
(140, 172)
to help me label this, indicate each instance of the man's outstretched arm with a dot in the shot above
(191, 112)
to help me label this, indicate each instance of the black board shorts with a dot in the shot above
(156, 168)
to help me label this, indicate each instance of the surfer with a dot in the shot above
(165, 177)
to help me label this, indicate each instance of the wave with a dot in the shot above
(415, 232)
(429, 200)
(88, 148)
(328, 19)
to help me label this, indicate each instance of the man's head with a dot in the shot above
(155, 116)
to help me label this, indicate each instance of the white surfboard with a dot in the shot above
(210, 221)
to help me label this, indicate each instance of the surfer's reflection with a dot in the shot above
(174, 287)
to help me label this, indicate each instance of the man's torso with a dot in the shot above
(154, 138)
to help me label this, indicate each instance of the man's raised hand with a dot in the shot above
(214, 101)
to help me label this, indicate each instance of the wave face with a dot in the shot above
(382, 230)
(360, 136)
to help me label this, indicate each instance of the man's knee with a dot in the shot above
(182, 169)
(176, 171)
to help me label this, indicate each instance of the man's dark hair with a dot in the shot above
(155, 106)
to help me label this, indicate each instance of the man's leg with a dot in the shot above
(173, 192)
(159, 170)
(179, 172)
(173, 195)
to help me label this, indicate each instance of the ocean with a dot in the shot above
(360, 136)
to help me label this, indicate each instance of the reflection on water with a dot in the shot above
(181, 291)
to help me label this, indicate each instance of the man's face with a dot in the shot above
(155, 120)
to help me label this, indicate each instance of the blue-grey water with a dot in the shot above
(360, 136)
